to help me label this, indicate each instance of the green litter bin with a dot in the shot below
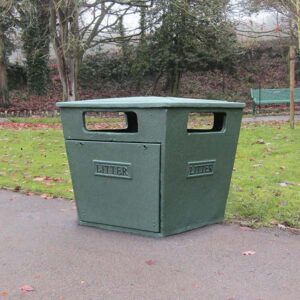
(156, 174)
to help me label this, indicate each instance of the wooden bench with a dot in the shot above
(272, 96)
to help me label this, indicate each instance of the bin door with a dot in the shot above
(116, 184)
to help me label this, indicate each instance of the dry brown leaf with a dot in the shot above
(46, 196)
(17, 188)
(4, 294)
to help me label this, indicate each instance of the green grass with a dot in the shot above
(27, 155)
(50, 121)
(265, 186)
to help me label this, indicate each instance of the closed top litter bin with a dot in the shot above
(154, 176)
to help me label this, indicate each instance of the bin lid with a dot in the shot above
(149, 102)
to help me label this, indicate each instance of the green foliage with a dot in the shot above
(7, 27)
(176, 36)
(102, 67)
(190, 35)
(36, 38)
(17, 76)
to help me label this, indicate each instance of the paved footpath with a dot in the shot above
(41, 245)
(275, 118)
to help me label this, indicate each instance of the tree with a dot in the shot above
(141, 63)
(6, 25)
(34, 21)
(291, 10)
(77, 26)
(193, 35)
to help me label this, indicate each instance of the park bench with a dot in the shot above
(272, 96)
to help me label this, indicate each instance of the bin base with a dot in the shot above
(149, 233)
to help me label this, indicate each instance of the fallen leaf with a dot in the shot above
(38, 178)
(283, 184)
(238, 188)
(150, 262)
(248, 253)
(257, 165)
(27, 288)
(260, 142)
(17, 188)
(245, 228)
(281, 227)
(46, 197)
(4, 294)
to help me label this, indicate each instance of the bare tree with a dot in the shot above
(77, 26)
(6, 9)
(290, 9)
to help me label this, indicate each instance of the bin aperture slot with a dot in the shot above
(110, 121)
(206, 122)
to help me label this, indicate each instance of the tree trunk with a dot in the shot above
(155, 83)
(292, 87)
(4, 97)
(223, 80)
(65, 39)
(176, 82)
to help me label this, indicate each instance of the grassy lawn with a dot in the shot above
(35, 161)
(265, 188)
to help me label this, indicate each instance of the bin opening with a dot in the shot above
(206, 122)
(110, 121)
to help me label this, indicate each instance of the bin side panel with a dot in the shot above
(116, 184)
(198, 169)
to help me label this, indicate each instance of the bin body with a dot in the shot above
(157, 178)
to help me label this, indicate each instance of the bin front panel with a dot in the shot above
(116, 184)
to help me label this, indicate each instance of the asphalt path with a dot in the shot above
(43, 249)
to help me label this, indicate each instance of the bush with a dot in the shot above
(104, 67)
(16, 76)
